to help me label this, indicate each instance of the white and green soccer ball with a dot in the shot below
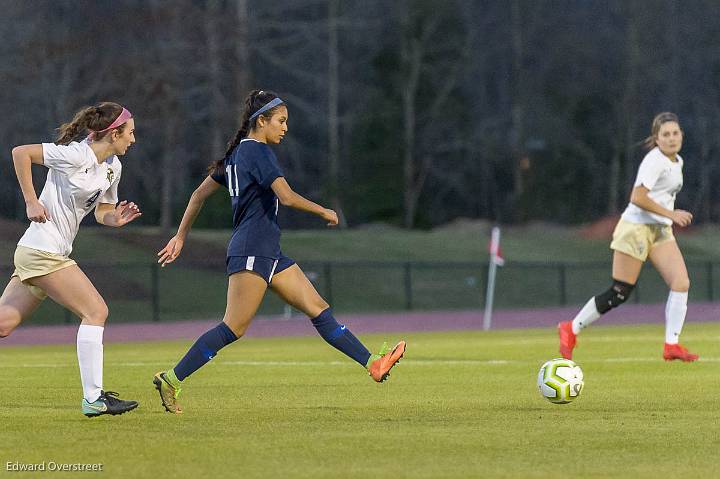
(560, 381)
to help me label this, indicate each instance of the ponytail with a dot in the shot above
(69, 131)
(255, 100)
(89, 119)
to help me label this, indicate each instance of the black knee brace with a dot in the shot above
(618, 293)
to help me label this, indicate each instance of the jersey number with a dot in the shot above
(231, 171)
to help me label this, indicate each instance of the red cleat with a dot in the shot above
(567, 339)
(676, 351)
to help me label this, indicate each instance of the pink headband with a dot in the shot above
(124, 116)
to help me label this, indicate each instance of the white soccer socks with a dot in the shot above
(586, 316)
(675, 311)
(90, 360)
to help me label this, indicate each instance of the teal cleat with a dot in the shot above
(107, 403)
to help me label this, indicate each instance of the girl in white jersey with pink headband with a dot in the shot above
(645, 232)
(82, 176)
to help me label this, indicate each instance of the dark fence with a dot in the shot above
(145, 292)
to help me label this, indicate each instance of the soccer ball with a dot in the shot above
(560, 381)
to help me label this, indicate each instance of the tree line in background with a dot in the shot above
(412, 112)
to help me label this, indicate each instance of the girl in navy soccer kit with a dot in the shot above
(256, 184)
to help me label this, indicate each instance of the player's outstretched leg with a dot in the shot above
(83, 299)
(169, 390)
(245, 292)
(17, 302)
(669, 262)
(675, 311)
(203, 350)
(295, 289)
(341, 338)
(678, 351)
(568, 339)
(596, 306)
(107, 403)
(379, 365)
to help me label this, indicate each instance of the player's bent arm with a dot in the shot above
(101, 210)
(118, 215)
(289, 198)
(195, 204)
(23, 157)
(639, 197)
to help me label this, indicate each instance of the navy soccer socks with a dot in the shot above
(204, 349)
(339, 337)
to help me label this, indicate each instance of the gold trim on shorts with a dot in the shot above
(637, 239)
(31, 263)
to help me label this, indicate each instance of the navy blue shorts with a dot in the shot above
(265, 267)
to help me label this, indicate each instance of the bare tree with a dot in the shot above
(519, 96)
(333, 119)
(243, 72)
(411, 58)
(430, 60)
(212, 33)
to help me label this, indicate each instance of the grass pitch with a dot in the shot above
(459, 405)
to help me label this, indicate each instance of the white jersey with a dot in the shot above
(75, 184)
(664, 178)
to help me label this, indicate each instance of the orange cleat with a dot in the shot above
(676, 351)
(380, 368)
(568, 339)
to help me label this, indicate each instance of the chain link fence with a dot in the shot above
(144, 292)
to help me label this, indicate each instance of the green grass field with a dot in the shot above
(459, 405)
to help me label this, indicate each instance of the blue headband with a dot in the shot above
(271, 104)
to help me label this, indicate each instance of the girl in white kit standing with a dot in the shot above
(645, 232)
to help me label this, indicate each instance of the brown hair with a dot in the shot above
(660, 118)
(255, 100)
(89, 119)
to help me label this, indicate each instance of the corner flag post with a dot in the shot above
(496, 260)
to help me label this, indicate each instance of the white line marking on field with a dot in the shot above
(604, 339)
(410, 362)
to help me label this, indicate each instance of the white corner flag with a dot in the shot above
(496, 260)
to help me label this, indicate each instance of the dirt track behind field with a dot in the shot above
(360, 324)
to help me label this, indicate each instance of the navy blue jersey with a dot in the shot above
(247, 174)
